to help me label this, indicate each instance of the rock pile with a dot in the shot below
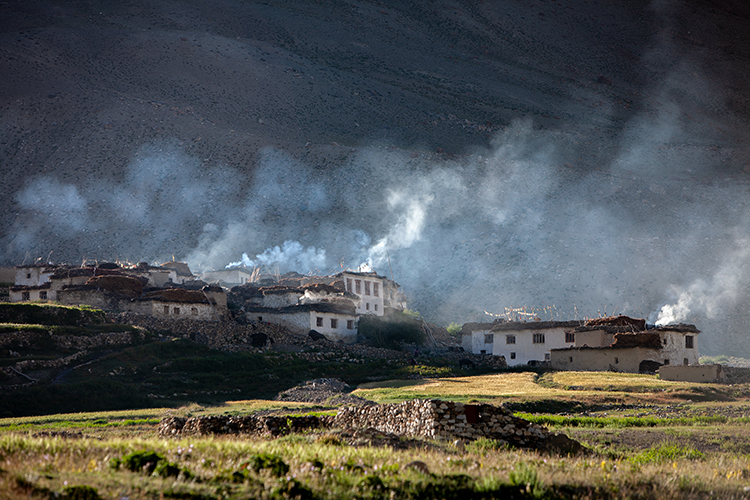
(332, 391)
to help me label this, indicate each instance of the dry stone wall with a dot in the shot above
(419, 418)
(436, 419)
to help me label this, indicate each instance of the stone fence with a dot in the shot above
(419, 418)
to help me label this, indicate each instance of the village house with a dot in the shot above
(182, 271)
(34, 274)
(625, 344)
(477, 338)
(376, 293)
(317, 306)
(530, 342)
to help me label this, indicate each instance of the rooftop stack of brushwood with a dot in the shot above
(419, 418)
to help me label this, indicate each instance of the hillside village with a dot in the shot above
(330, 307)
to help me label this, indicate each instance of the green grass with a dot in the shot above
(616, 422)
(68, 330)
(49, 314)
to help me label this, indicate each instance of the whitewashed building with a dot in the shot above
(477, 338)
(376, 293)
(523, 343)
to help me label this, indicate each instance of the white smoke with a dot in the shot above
(291, 255)
(711, 298)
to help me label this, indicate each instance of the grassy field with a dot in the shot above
(663, 446)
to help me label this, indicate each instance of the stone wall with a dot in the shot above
(419, 418)
(436, 419)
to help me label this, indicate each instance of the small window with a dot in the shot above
(367, 288)
(28, 276)
(482, 352)
(350, 324)
(688, 341)
(357, 286)
(510, 339)
(513, 355)
(177, 310)
(194, 311)
(570, 337)
(489, 338)
(166, 309)
(334, 323)
(546, 357)
(570, 358)
(318, 321)
(617, 361)
(666, 362)
(25, 296)
(260, 319)
(367, 306)
(375, 306)
(376, 289)
(348, 284)
(685, 362)
(538, 338)
(43, 295)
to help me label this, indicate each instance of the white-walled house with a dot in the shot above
(338, 322)
(523, 342)
(376, 293)
(34, 274)
(477, 338)
(630, 352)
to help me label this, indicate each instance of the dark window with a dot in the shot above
(334, 323)
(357, 287)
(617, 360)
(489, 338)
(367, 288)
(194, 311)
(546, 357)
(688, 341)
(571, 359)
(318, 321)
(166, 309)
(685, 361)
(666, 361)
(538, 338)
(25, 296)
(260, 319)
(28, 276)
(510, 339)
(376, 289)
(350, 324)
(177, 310)
(513, 355)
(43, 295)
(348, 284)
(367, 306)
(482, 352)
(376, 307)
(570, 337)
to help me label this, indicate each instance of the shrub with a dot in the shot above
(391, 331)
(267, 461)
(142, 461)
(454, 329)
(81, 492)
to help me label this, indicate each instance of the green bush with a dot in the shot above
(391, 331)
(142, 461)
(81, 492)
(267, 461)
(454, 329)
